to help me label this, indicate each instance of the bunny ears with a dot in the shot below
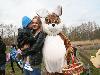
(43, 12)
(58, 10)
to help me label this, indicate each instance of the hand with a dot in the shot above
(70, 50)
(25, 47)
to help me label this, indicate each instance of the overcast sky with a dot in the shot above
(74, 11)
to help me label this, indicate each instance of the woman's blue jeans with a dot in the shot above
(36, 71)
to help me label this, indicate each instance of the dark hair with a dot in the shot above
(13, 45)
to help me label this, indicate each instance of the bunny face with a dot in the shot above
(51, 21)
(52, 25)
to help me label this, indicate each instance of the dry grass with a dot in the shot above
(87, 42)
(86, 49)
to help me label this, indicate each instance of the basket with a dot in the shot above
(76, 68)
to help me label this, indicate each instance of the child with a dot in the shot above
(13, 54)
(27, 65)
(24, 39)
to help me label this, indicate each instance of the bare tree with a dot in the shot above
(85, 31)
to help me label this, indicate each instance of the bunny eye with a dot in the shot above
(47, 21)
(56, 22)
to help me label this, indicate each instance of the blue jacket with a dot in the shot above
(13, 53)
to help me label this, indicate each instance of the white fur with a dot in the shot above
(44, 12)
(50, 30)
(58, 10)
(54, 52)
(54, 49)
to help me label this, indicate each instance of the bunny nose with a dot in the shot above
(53, 25)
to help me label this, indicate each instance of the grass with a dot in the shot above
(86, 60)
(95, 71)
(87, 49)
(8, 69)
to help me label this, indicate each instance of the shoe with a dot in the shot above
(20, 63)
(28, 67)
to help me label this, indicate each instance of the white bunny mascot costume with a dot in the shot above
(54, 49)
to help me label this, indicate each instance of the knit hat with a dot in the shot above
(25, 21)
